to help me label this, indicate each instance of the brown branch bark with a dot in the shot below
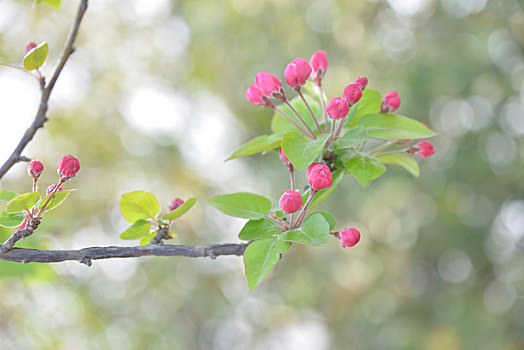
(41, 117)
(86, 255)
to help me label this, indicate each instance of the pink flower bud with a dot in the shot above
(269, 85)
(423, 149)
(319, 64)
(35, 168)
(390, 103)
(297, 72)
(337, 108)
(319, 177)
(362, 82)
(255, 96)
(290, 202)
(352, 93)
(311, 166)
(30, 46)
(68, 166)
(349, 237)
(52, 188)
(175, 203)
(284, 159)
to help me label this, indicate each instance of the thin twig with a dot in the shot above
(86, 255)
(288, 118)
(41, 117)
(310, 111)
(312, 134)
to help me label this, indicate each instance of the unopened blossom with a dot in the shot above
(297, 72)
(68, 166)
(30, 46)
(352, 93)
(349, 237)
(390, 103)
(175, 203)
(284, 159)
(319, 65)
(290, 202)
(423, 149)
(35, 168)
(269, 85)
(362, 82)
(256, 97)
(319, 177)
(337, 108)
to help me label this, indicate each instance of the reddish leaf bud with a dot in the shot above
(35, 168)
(297, 72)
(68, 166)
(319, 177)
(349, 237)
(362, 82)
(52, 188)
(352, 93)
(290, 202)
(319, 64)
(269, 85)
(30, 46)
(337, 108)
(175, 203)
(423, 149)
(284, 159)
(390, 103)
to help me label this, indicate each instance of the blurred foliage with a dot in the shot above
(153, 100)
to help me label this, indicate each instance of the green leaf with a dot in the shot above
(370, 102)
(11, 219)
(138, 230)
(392, 127)
(260, 257)
(147, 239)
(257, 229)
(6, 196)
(365, 168)
(242, 205)
(22, 202)
(314, 231)
(139, 205)
(259, 144)
(302, 151)
(52, 3)
(404, 161)
(354, 137)
(57, 199)
(279, 124)
(181, 210)
(329, 218)
(36, 57)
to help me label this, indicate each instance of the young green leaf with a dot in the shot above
(147, 239)
(242, 205)
(6, 196)
(257, 229)
(369, 103)
(302, 151)
(406, 162)
(22, 202)
(260, 257)
(138, 230)
(257, 145)
(36, 57)
(314, 231)
(329, 218)
(11, 219)
(181, 210)
(393, 126)
(139, 205)
(52, 3)
(365, 168)
(353, 137)
(280, 124)
(57, 199)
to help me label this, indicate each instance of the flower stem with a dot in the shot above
(323, 106)
(310, 111)
(40, 212)
(304, 209)
(300, 118)
(381, 147)
(291, 120)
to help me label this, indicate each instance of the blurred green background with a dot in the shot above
(153, 99)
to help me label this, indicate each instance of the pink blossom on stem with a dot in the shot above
(175, 203)
(30, 46)
(423, 149)
(51, 188)
(311, 166)
(390, 103)
(35, 168)
(352, 93)
(337, 108)
(68, 166)
(297, 72)
(270, 85)
(319, 177)
(362, 82)
(319, 64)
(290, 202)
(255, 96)
(349, 237)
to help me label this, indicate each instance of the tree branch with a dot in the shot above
(86, 255)
(41, 117)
